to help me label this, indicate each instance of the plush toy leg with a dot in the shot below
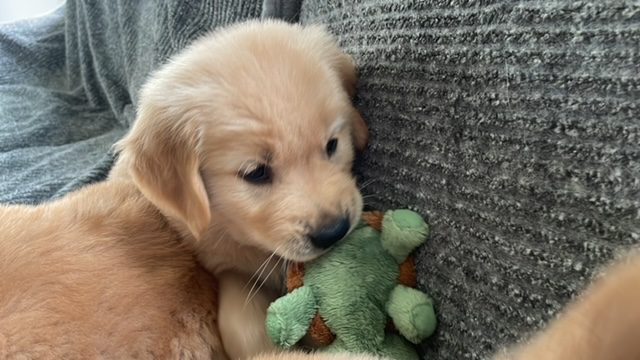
(402, 232)
(289, 317)
(396, 348)
(412, 313)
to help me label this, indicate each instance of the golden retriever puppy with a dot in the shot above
(602, 324)
(240, 157)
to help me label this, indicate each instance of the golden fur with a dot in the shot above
(110, 271)
(100, 274)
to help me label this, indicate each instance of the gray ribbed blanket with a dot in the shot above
(513, 125)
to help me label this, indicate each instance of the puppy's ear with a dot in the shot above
(328, 51)
(345, 66)
(346, 69)
(163, 159)
(359, 131)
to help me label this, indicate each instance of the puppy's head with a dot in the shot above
(251, 132)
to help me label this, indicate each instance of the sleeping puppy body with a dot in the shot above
(240, 157)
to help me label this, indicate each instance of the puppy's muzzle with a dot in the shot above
(327, 235)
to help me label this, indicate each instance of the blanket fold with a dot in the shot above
(69, 83)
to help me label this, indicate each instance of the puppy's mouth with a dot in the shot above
(320, 239)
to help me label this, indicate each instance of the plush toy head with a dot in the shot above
(354, 297)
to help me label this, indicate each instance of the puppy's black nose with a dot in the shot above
(330, 234)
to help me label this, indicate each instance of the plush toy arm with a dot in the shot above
(412, 313)
(402, 232)
(289, 317)
(397, 348)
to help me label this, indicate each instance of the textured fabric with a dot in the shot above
(514, 126)
(50, 136)
(69, 83)
(288, 10)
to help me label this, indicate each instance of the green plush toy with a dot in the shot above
(357, 297)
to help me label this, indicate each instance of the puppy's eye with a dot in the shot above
(331, 147)
(260, 175)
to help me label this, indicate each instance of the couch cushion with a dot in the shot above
(514, 125)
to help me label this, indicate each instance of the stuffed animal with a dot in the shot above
(358, 296)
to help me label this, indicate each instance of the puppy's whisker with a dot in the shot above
(251, 295)
(367, 183)
(367, 203)
(258, 273)
(366, 200)
(222, 235)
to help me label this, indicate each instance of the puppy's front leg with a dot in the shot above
(603, 323)
(242, 317)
